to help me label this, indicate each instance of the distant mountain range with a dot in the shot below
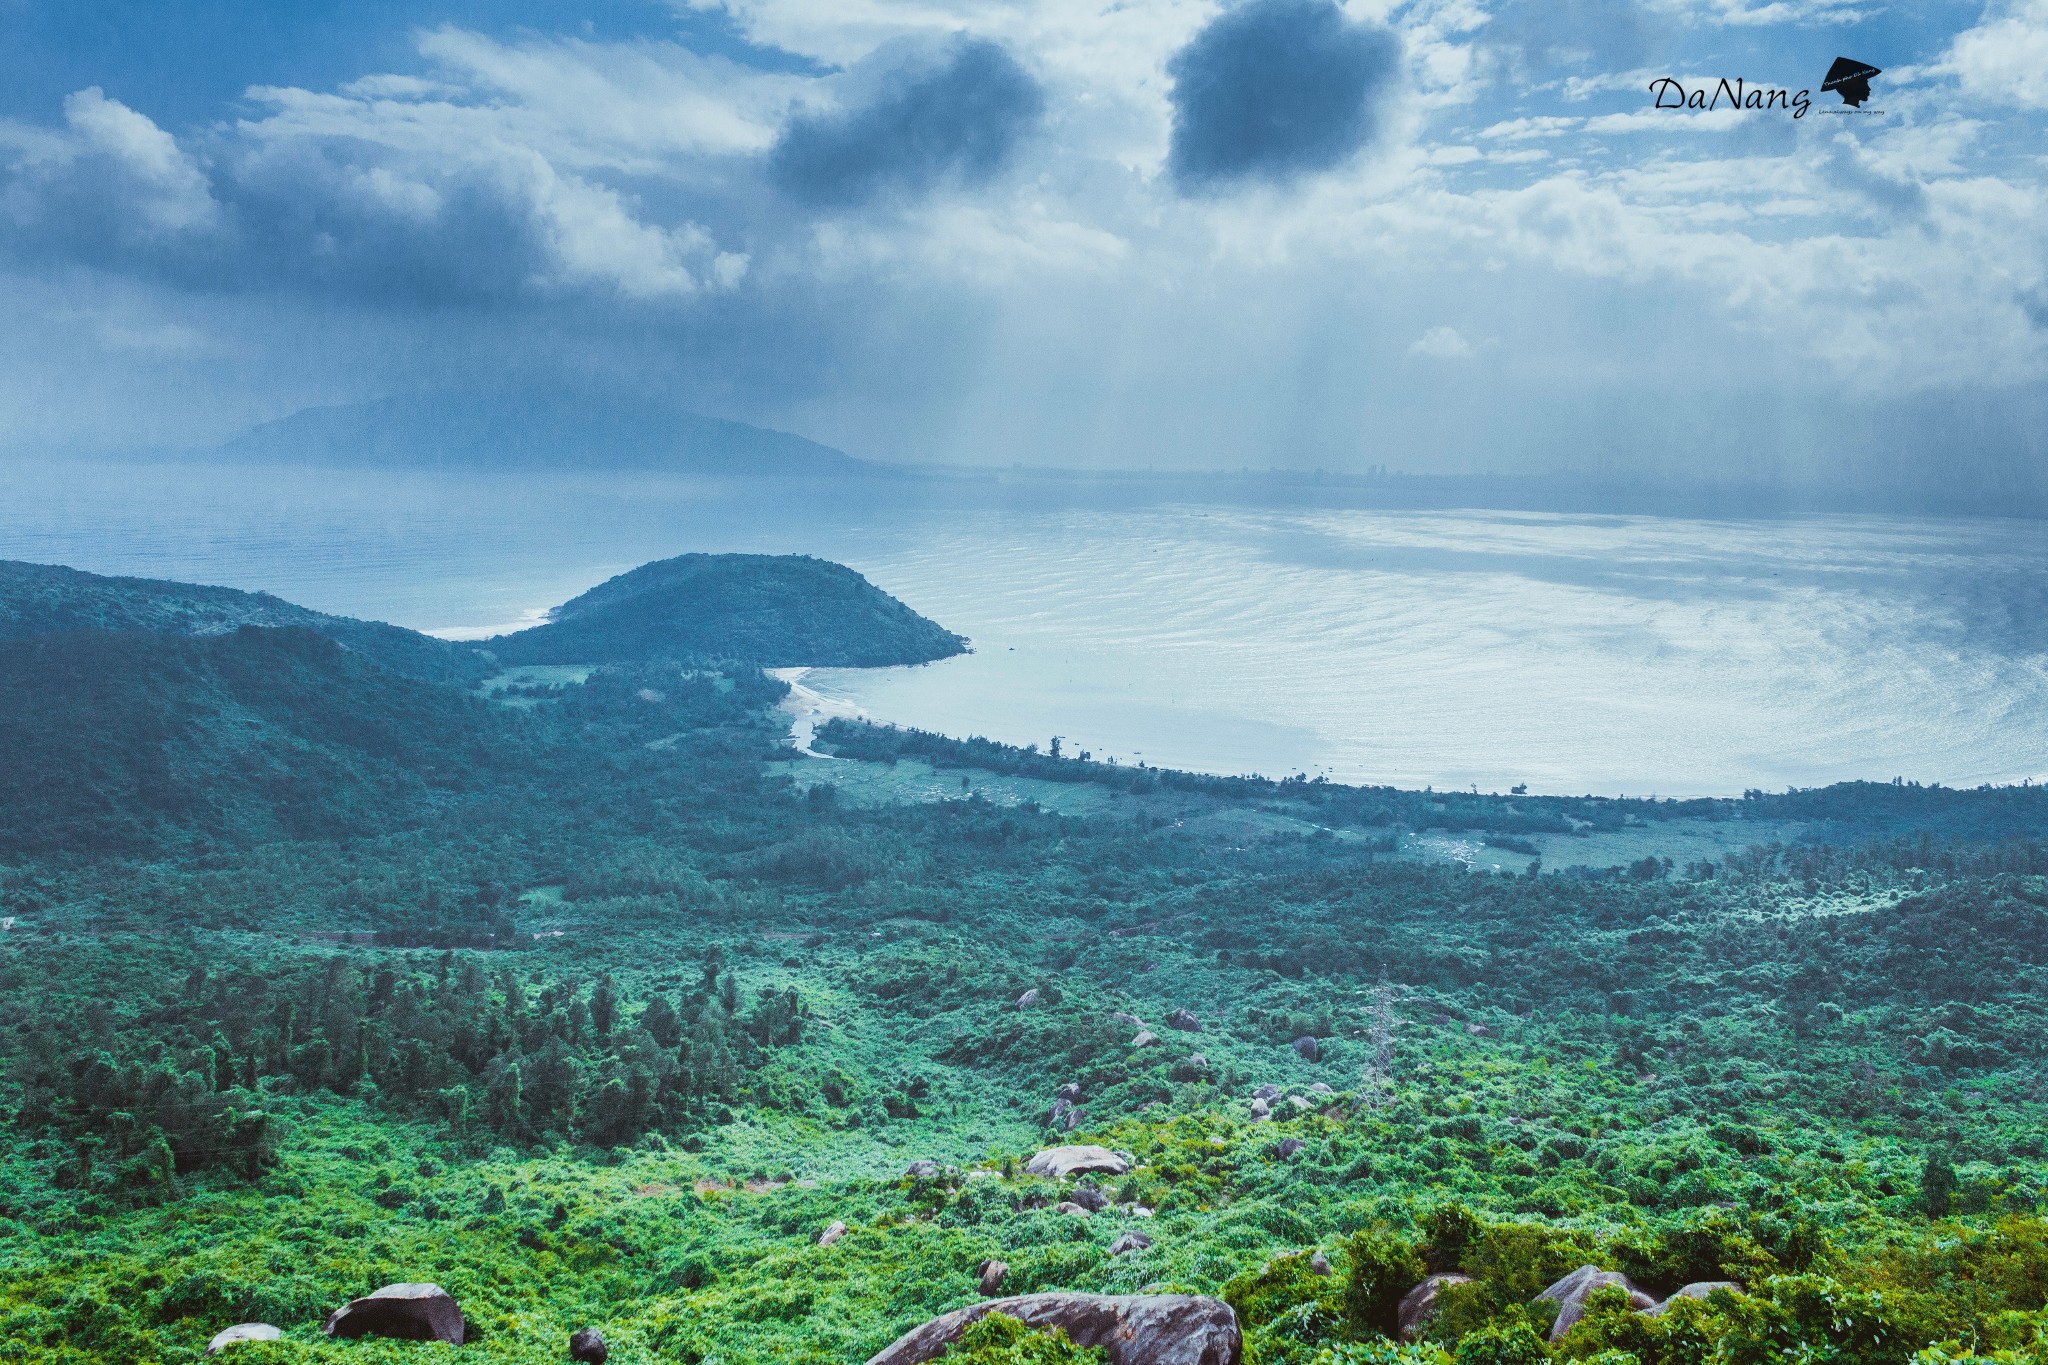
(510, 429)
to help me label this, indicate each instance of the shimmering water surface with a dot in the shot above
(1573, 653)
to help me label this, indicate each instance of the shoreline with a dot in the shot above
(808, 708)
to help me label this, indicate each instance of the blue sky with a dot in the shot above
(1442, 235)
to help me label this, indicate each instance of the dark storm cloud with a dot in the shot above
(958, 121)
(1277, 89)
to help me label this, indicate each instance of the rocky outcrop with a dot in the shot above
(924, 1170)
(1131, 1329)
(1069, 1207)
(1090, 1197)
(1185, 1021)
(1126, 1018)
(1065, 1115)
(1146, 1037)
(1057, 1163)
(587, 1345)
(1028, 999)
(1309, 1048)
(1070, 1092)
(1199, 1062)
(993, 1273)
(1418, 1305)
(1288, 1147)
(242, 1331)
(1698, 1289)
(1261, 1111)
(1268, 1092)
(402, 1312)
(1132, 1240)
(1320, 1088)
(832, 1233)
(1571, 1292)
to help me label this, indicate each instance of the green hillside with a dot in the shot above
(600, 1010)
(45, 599)
(771, 610)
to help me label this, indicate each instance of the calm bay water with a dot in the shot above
(1573, 653)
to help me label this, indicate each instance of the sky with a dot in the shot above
(1450, 235)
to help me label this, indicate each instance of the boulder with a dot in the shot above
(1090, 1197)
(1418, 1305)
(832, 1233)
(1060, 1109)
(403, 1312)
(1301, 1106)
(993, 1273)
(1477, 1030)
(1028, 999)
(1288, 1147)
(1260, 1109)
(1309, 1049)
(1698, 1289)
(924, 1170)
(587, 1345)
(1199, 1062)
(1185, 1021)
(1268, 1091)
(1146, 1037)
(1131, 1329)
(1125, 1017)
(1132, 1240)
(1070, 1092)
(1058, 1163)
(242, 1331)
(1068, 1206)
(1571, 1292)
(1321, 1089)
(1319, 1263)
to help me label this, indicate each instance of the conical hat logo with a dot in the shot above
(1850, 79)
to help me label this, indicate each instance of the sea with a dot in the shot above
(1152, 622)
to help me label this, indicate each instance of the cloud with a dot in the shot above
(1277, 89)
(2004, 58)
(110, 183)
(1442, 343)
(957, 120)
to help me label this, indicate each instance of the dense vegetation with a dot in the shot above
(592, 1011)
(47, 599)
(775, 610)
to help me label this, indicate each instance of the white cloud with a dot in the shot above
(2004, 58)
(1441, 343)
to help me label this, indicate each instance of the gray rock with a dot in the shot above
(1028, 999)
(1199, 1062)
(832, 1233)
(1071, 1209)
(1289, 1146)
(1070, 1092)
(1185, 1021)
(993, 1273)
(1477, 1030)
(1060, 1109)
(402, 1312)
(1698, 1289)
(1571, 1292)
(1319, 1263)
(1060, 1162)
(1090, 1197)
(1418, 1305)
(1072, 1120)
(1146, 1037)
(587, 1345)
(924, 1170)
(1124, 1017)
(1131, 1329)
(1268, 1091)
(1309, 1049)
(1301, 1106)
(242, 1331)
(1321, 1089)
(1132, 1240)
(1260, 1109)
